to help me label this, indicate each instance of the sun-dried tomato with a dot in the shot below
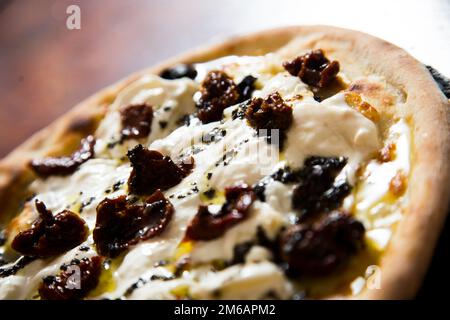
(323, 247)
(64, 165)
(121, 224)
(218, 91)
(187, 165)
(51, 235)
(152, 171)
(74, 282)
(208, 226)
(136, 121)
(317, 190)
(313, 68)
(178, 71)
(271, 113)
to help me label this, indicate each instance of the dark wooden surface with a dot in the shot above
(45, 68)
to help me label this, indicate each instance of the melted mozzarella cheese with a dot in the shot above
(331, 128)
(290, 88)
(170, 101)
(378, 175)
(375, 206)
(261, 67)
(83, 189)
(262, 215)
(248, 281)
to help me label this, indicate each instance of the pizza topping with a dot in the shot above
(208, 226)
(179, 71)
(284, 175)
(187, 165)
(218, 91)
(313, 68)
(397, 185)
(387, 153)
(3, 237)
(51, 235)
(315, 188)
(152, 171)
(236, 235)
(214, 135)
(136, 121)
(246, 88)
(19, 264)
(75, 282)
(322, 247)
(240, 251)
(64, 165)
(317, 191)
(355, 101)
(121, 224)
(269, 113)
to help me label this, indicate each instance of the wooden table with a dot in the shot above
(45, 68)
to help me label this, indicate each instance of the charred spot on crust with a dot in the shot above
(64, 165)
(322, 247)
(136, 121)
(218, 91)
(269, 113)
(63, 286)
(152, 171)
(442, 81)
(313, 68)
(317, 190)
(179, 71)
(51, 235)
(121, 224)
(209, 226)
(83, 125)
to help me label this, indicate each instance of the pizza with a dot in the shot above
(295, 163)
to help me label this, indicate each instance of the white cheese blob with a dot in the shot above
(170, 100)
(331, 129)
(85, 188)
(222, 248)
(374, 186)
(261, 67)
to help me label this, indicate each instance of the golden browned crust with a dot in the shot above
(410, 92)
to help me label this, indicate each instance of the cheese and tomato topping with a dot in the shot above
(228, 179)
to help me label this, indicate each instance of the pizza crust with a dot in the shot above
(406, 259)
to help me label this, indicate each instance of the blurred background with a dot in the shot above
(45, 68)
